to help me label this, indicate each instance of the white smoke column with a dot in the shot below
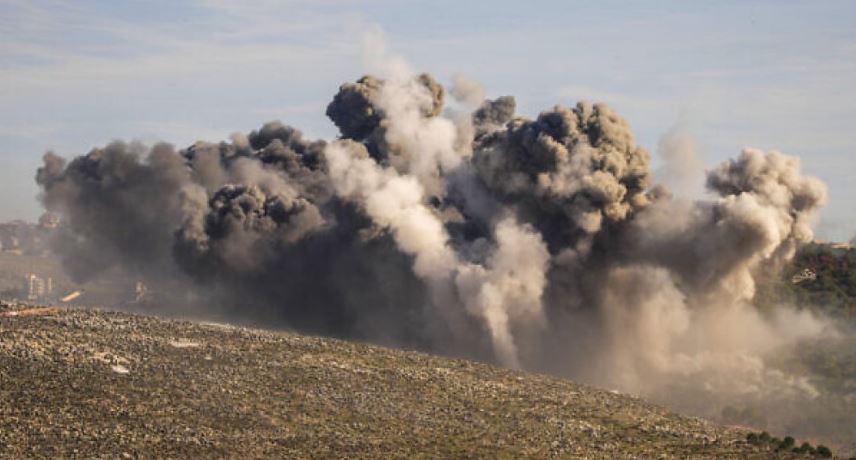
(470, 94)
(422, 146)
(396, 202)
(510, 286)
(508, 289)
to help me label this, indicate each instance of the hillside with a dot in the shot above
(821, 277)
(89, 384)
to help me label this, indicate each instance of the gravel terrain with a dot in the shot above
(92, 384)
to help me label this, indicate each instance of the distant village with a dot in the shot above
(29, 272)
(18, 237)
(25, 280)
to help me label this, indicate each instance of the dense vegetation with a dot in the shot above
(833, 289)
(788, 444)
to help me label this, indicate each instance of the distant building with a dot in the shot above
(9, 243)
(140, 291)
(18, 237)
(806, 275)
(49, 220)
(37, 288)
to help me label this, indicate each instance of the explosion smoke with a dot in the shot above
(539, 244)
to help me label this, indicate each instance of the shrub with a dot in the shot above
(824, 451)
(805, 448)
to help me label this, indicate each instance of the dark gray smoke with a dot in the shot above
(542, 244)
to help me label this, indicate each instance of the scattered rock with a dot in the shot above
(259, 394)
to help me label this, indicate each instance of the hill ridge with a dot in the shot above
(99, 384)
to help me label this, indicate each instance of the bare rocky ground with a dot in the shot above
(91, 384)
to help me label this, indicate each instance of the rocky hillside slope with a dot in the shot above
(89, 384)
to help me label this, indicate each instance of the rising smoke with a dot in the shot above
(539, 244)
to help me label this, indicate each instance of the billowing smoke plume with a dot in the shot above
(542, 244)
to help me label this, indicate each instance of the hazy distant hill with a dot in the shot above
(110, 385)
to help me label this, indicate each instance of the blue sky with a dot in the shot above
(768, 74)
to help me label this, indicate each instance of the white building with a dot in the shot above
(37, 287)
